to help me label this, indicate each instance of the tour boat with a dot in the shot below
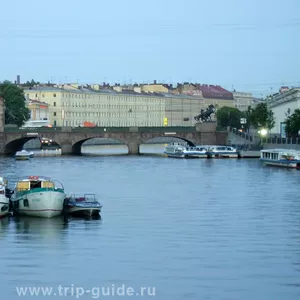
(82, 205)
(222, 152)
(38, 196)
(4, 200)
(287, 158)
(183, 150)
(23, 155)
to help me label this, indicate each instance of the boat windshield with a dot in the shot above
(83, 198)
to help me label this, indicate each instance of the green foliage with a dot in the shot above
(261, 116)
(31, 83)
(229, 116)
(15, 110)
(292, 122)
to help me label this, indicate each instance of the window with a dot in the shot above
(54, 95)
(54, 114)
(54, 103)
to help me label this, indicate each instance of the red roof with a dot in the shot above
(214, 91)
(89, 124)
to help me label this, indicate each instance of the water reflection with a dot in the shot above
(194, 229)
(27, 228)
(4, 222)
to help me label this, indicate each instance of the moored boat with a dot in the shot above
(82, 205)
(38, 196)
(183, 150)
(4, 200)
(222, 152)
(23, 155)
(287, 158)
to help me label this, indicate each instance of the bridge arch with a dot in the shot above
(17, 144)
(77, 146)
(168, 139)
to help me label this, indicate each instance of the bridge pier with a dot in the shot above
(133, 148)
(66, 149)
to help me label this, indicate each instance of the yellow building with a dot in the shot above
(69, 106)
(154, 88)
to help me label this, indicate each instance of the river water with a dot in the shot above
(180, 229)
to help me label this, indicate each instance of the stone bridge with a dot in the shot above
(71, 139)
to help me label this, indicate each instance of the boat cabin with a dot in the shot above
(279, 154)
(222, 148)
(33, 182)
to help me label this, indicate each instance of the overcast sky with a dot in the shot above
(248, 45)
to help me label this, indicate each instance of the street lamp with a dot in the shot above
(263, 132)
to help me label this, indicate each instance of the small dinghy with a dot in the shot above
(82, 205)
(23, 155)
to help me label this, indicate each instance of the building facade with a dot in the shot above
(71, 106)
(38, 110)
(243, 100)
(283, 104)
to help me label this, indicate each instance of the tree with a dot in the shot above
(292, 124)
(14, 101)
(229, 116)
(31, 83)
(261, 116)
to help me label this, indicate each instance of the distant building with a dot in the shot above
(131, 105)
(283, 104)
(106, 107)
(38, 110)
(243, 100)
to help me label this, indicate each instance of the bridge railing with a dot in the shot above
(281, 141)
(243, 135)
(170, 129)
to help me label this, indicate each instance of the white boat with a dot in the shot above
(287, 158)
(24, 155)
(85, 205)
(184, 150)
(38, 196)
(4, 200)
(222, 152)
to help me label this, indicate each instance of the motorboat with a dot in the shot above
(24, 155)
(222, 152)
(85, 205)
(38, 196)
(4, 200)
(287, 158)
(184, 150)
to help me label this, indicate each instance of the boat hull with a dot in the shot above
(197, 155)
(283, 163)
(43, 204)
(222, 155)
(175, 155)
(22, 157)
(83, 212)
(4, 206)
(186, 155)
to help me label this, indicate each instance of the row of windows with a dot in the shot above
(107, 114)
(107, 106)
(114, 98)
(116, 123)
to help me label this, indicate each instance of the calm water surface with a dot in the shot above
(193, 229)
